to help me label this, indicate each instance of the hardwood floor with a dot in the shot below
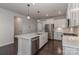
(9, 49)
(53, 47)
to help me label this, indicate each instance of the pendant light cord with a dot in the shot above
(28, 8)
(38, 12)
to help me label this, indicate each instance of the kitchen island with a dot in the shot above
(29, 44)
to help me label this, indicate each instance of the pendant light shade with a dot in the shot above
(38, 14)
(28, 17)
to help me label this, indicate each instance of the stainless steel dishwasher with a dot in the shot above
(35, 45)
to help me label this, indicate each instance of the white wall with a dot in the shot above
(29, 25)
(7, 26)
(17, 25)
(49, 21)
(57, 21)
(23, 25)
(41, 24)
(60, 23)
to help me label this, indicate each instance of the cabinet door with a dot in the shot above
(73, 15)
(35, 45)
(55, 35)
(41, 41)
(45, 37)
(70, 51)
(60, 36)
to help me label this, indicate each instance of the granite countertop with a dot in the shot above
(71, 41)
(30, 35)
(27, 36)
(73, 31)
(70, 34)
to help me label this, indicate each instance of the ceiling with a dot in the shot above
(51, 9)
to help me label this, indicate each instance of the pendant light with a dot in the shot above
(28, 17)
(38, 16)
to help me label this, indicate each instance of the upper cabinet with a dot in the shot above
(73, 14)
(60, 23)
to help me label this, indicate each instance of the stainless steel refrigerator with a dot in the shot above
(50, 29)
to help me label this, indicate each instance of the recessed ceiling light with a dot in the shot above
(47, 15)
(59, 12)
(33, 3)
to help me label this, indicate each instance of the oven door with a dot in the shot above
(35, 45)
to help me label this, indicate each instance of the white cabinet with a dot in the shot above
(58, 35)
(70, 45)
(70, 51)
(60, 23)
(43, 39)
(73, 14)
(28, 44)
(71, 41)
(24, 46)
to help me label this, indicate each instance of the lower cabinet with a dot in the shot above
(70, 45)
(58, 35)
(70, 51)
(43, 39)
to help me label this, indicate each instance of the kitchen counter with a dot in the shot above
(26, 36)
(25, 42)
(26, 45)
(71, 41)
(70, 45)
(70, 34)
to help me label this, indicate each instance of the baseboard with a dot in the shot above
(1, 45)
